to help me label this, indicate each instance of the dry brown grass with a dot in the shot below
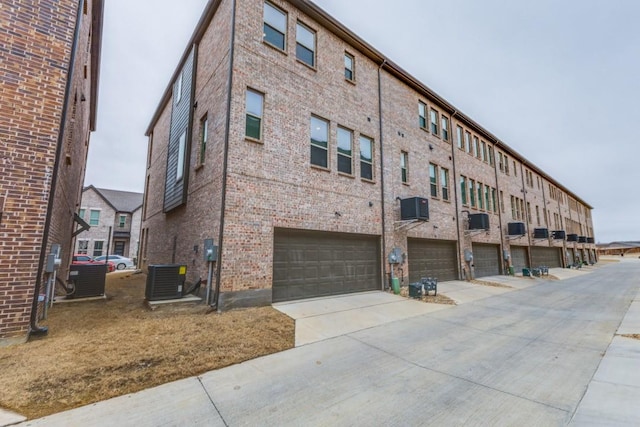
(634, 336)
(491, 284)
(101, 349)
(435, 299)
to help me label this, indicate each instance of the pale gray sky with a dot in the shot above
(559, 81)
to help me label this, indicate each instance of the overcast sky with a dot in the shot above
(558, 81)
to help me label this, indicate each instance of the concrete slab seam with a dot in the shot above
(211, 400)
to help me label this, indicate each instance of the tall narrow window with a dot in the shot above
(463, 190)
(513, 208)
(122, 221)
(319, 142)
(501, 161)
(494, 200)
(422, 115)
(366, 158)
(483, 151)
(306, 45)
(472, 192)
(97, 248)
(467, 142)
(515, 169)
(459, 136)
(178, 89)
(529, 218)
(204, 135)
(444, 183)
(444, 123)
(404, 166)
(433, 179)
(182, 145)
(480, 198)
(433, 119)
(491, 155)
(81, 213)
(275, 26)
(502, 208)
(255, 101)
(349, 67)
(345, 151)
(487, 197)
(476, 147)
(537, 214)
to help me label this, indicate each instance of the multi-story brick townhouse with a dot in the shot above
(114, 217)
(49, 65)
(297, 146)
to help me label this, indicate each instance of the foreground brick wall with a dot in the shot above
(36, 39)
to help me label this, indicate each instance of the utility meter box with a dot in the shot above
(468, 255)
(210, 251)
(395, 256)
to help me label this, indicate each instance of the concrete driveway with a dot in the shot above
(524, 357)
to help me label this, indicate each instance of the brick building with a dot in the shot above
(49, 64)
(114, 217)
(299, 149)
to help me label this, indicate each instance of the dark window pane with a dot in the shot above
(318, 156)
(445, 193)
(404, 175)
(423, 122)
(253, 127)
(348, 74)
(274, 37)
(434, 190)
(305, 55)
(366, 170)
(344, 164)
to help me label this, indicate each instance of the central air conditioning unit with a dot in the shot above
(414, 208)
(559, 234)
(165, 282)
(516, 229)
(572, 237)
(540, 233)
(591, 240)
(582, 239)
(479, 221)
(88, 280)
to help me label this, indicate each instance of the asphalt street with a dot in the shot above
(522, 358)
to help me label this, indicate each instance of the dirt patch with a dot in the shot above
(435, 299)
(96, 350)
(634, 336)
(491, 284)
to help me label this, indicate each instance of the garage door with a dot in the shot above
(570, 258)
(432, 258)
(313, 264)
(546, 256)
(519, 259)
(486, 260)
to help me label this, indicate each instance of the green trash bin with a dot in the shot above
(395, 284)
(512, 271)
(526, 272)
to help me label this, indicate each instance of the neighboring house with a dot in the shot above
(619, 248)
(49, 67)
(115, 219)
(297, 147)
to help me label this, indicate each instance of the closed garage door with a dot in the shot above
(519, 259)
(546, 256)
(570, 258)
(486, 260)
(432, 258)
(313, 264)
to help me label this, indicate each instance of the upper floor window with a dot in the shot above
(444, 183)
(472, 192)
(275, 26)
(490, 155)
(476, 147)
(81, 213)
(463, 190)
(433, 179)
(349, 67)
(467, 142)
(404, 166)
(122, 221)
(83, 247)
(460, 140)
(366, 158)
(483, 151)
(480, 198)
(433, 119)
(422, 115)
(254, 101)
(345, 151)
(94, 217)
(204, 135)
(444, 123)
(319, 142)
(306, 45)
(178, 89)
(182, 146)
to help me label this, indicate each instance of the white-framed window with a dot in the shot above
(404, 167)
(444, 183)
(433, 122)
(433, 179)
(444, 123)
(81, 212)
(98, 246)
(94, 217)
(275, 26)
(319, 142)
(306, 44)
(255, 103)
(345, 151)
(182, 145)
(83, 247)
(122, 221)
(204, 135)
(366, 158)
(349, 67)
(422, 115)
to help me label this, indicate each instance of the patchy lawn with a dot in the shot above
(434, 299)
(96, 350)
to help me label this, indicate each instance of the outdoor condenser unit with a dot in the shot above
(540, 233)
(516, 229)
(88, 280)
(479, 221)
(572, 237)
(559, 234)
(414, 208)
(165, 282)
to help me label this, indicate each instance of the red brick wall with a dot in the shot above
(34, 71)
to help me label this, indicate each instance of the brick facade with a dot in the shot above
(47, 110)
(270, 184)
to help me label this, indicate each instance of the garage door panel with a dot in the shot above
(311, 264)
(546, 256)
(519, 258)
(432, 258)
(486, 260)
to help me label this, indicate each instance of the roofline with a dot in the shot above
(348, 36)
(103, 197)
(96, 55)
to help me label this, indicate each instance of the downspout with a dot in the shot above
(526, 213)
(225, 166)
(34, 329)
(455, 193)
(382, 192)
(500, 207)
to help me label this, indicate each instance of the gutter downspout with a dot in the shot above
(34, 329)
(500, 207)
(225, 167)
(382, 192)
(455, 192)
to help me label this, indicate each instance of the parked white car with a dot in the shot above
(120, 261)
